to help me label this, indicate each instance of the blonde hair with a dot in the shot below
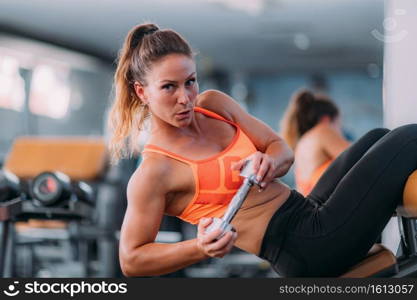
(143, 45)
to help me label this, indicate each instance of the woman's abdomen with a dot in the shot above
(253, 217)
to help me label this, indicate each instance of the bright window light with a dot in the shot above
(12, 85)
(50, 91)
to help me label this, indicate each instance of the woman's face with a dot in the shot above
(171, 89)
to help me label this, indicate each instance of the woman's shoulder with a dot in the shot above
(320, 130)
(326, 129)
(210, 94)
(314, 137)
(154, 167)
(325, 138)
(217, 102)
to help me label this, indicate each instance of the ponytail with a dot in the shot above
(143, 45)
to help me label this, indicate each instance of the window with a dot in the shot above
(50, 91)
(12, 87)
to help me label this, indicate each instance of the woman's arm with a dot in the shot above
(274, 158)
(139, 254)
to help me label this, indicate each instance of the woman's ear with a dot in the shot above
(325, 119)
(140, 92)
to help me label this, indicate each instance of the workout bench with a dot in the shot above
(381, 262)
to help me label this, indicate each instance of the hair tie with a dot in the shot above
(139, 34)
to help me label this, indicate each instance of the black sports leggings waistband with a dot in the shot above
(277, 227)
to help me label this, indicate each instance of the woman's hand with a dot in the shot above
(264, 166)
(209, 244)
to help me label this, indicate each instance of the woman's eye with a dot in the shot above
(190, 82)
(167, 86)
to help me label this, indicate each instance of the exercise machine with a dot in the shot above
(380, 261)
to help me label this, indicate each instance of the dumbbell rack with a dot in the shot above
(21, 209)
(8, 212)
(75, 210)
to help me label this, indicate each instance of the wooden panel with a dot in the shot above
(78, 157)
(377, 260)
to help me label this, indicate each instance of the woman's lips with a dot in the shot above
(183, 115)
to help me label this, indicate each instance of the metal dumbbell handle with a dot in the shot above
(219, 224)
(234, 206)
(238, 199)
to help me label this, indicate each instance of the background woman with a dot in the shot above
(311, 126)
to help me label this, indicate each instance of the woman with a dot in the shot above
(311, 127)
(199, 142)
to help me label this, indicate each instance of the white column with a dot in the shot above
(400, 78)
(400, 62)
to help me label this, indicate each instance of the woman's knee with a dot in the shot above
(377, 133)
(406, 131)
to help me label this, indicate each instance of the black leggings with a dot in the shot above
(334, 227)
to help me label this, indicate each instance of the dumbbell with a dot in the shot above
(9, 186)
(237, 201)
(56, 189)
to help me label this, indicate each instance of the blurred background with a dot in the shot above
(57, 59)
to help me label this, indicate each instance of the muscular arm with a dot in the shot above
(263, 137)
(139, 254)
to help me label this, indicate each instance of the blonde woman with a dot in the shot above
(198, 143)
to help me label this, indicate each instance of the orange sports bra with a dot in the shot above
(305, 186)
(215, 182)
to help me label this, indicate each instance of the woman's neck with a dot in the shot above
(334, 125)
(161, 130)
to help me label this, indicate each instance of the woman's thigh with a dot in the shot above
(337, 234)
(374, 185)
